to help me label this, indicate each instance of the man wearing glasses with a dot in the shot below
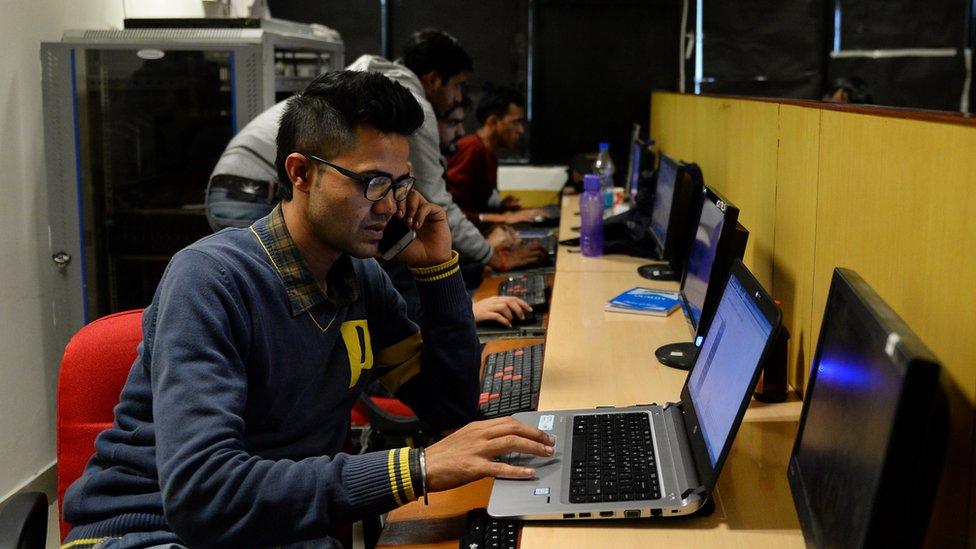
(259, 340)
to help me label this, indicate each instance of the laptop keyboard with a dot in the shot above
(613, 459)
(511, 381)
(530, 287)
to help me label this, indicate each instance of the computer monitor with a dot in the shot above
(634, 163)
(708, 259)
(667, 180)
(871, 439)
(718, 241)
(674, 209)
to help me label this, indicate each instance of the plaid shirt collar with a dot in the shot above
(301, 287)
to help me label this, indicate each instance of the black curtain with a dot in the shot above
(763, 48)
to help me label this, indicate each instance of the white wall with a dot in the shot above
(28, 368)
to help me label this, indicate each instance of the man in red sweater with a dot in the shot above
(472, 172)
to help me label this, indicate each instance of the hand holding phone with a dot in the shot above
(417, 234)
(396, 237)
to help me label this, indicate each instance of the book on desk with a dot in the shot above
(644, 301)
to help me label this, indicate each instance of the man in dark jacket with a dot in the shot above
(259, 340)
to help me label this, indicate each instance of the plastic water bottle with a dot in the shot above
(603, 167)
(591, 217)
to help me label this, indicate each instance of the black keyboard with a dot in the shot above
(511, 381)
(530, 287)
(613, 459)
(484, 532)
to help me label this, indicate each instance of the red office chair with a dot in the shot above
(93, 371)
(381, 422)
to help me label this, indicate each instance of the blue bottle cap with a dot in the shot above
(604, 146)
(591, 182)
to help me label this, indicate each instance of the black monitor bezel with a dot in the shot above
(920, 390)
(707, 474)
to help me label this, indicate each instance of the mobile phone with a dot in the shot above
(396, 237)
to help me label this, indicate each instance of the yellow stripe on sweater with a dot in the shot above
(393, 483)
(435, 278)
(77, 542)
(405, 474)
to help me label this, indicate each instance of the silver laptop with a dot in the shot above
(653, 460)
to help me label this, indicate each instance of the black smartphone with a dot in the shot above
(396, 237)
(570, 242)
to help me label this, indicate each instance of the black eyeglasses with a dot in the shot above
(376, 186)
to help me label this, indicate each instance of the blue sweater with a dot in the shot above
(230, 423)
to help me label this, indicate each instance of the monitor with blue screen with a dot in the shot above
(868, 451)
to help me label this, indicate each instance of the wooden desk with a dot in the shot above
(598, 358)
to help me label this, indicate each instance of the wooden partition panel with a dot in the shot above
(896, 204)
(887, 196)
(797, 170)
(751, 180)
(893, 205)
(712, 140)
(663, 116)
(682, 142)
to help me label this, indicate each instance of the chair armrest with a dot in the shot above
(23, 521)
(385, 422)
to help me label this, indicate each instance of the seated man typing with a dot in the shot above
(472, 172)
(259, 341)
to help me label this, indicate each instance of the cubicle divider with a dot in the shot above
(869, 189)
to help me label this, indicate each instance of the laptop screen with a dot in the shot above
(667, 176)
(698, 270)
(723, 370)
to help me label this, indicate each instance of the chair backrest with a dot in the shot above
(94, 368)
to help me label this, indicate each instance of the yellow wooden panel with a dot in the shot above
(894, 205)
(712, 139)
(797, 172)
(663, 112)
(682, 142)
(750, 179)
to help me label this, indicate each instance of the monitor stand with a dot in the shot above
(677, 355)
(657, 272)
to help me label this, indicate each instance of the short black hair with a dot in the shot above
(435, 50)
(322, 118)
(495, 101)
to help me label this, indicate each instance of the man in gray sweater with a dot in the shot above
(434, 69)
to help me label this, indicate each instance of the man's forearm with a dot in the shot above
(445, 393)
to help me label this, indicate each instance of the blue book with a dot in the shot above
(645, 301)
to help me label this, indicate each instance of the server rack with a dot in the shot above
(134, 121)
